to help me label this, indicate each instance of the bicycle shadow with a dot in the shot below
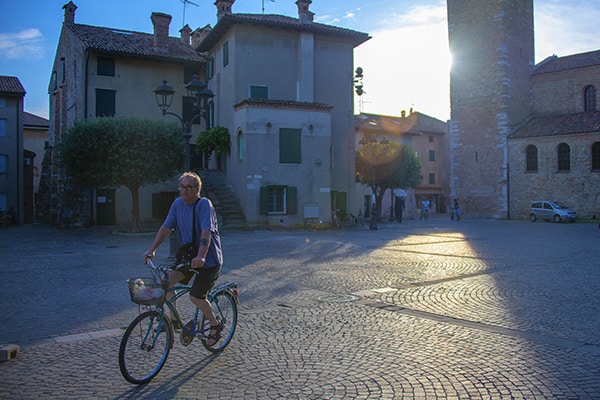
(169, 388)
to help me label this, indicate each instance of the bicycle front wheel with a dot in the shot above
(145, 347)
(225, 308)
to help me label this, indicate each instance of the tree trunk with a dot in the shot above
(136, 226)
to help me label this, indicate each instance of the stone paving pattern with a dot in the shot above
(420, 310)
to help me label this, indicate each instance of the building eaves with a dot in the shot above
(283, 104)
(559, 125)
(133, 44)
(558, 64)
(11, 86)
(34, 121)
(280, 22)
(414, 124)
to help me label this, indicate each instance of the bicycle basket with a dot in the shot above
(146, 291)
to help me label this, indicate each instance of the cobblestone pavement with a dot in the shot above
(423, 309)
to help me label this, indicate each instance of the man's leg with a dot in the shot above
(174, 277)
(206, 309)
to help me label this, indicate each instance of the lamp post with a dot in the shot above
(202, 97)
(372, 141)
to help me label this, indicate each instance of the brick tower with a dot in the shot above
(492, 46)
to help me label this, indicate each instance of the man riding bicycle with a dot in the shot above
(189, 214)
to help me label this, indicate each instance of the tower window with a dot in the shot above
(589, 98)
(596, 156)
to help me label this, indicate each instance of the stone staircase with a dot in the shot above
(227, 206)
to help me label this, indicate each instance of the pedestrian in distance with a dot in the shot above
(456, 211)
(189, 214)
(425, 205)
(399, 209)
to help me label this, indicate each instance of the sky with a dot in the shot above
(406, 63)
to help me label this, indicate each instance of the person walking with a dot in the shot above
(425, 204)
(189, 214)
(399, 209)
(456, 210)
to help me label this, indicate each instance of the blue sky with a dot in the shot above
(401, 30)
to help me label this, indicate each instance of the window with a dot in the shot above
(589, 98)
(278, 200)
(105, 103)
(210, 68)
(564, 157)
(3, 201)
(596, 156)
(2, 102)
(430, 138)
(3, 163)
(189, 109)
(432, 179)
(64, 73)
(106, 66)
(241, 145)
(431, 155)
(53, 83)
(531, 162)
(290, 146)
(225, 54)
(2, 127)
(259, 92)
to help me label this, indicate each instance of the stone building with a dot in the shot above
(555, 154)
(519, 131)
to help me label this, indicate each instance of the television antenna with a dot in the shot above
(263, 5)
(185, 3)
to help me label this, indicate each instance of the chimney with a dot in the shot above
(304, 14)
(185, 33)
(199, 35)
(223, 7)
(403, 113)
(161, 29)
(69, 8)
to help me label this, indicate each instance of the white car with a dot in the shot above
(551, 211)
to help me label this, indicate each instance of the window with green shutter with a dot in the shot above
(278, 200)
(290, 146)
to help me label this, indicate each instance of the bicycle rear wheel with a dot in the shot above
(225, 308)
(144, 348)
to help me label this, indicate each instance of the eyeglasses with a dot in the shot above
(186, 187)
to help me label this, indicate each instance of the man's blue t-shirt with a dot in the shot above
(180, 218)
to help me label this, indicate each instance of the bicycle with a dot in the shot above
(149, 338)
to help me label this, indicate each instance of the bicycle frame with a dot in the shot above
(179, 291)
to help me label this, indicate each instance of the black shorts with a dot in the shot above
(204, 281)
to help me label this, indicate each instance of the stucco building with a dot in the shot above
(12, 157)
(101, 71)
(283, 89)
(429, 139)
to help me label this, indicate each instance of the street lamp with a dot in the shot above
(202, 97)
(373, 141)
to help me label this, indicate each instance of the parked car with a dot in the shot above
(551, 211)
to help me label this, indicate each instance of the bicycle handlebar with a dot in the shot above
(185, 266)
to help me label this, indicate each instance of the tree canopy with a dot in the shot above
(387, 166)
(133, 152)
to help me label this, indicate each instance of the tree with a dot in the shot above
(389, 165)
(110, 152)
(215, 140)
